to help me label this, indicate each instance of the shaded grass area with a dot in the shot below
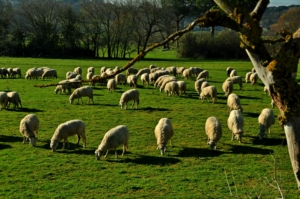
(188, 170)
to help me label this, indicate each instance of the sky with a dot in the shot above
(283, 2)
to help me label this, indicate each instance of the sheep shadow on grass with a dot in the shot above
(4, 138)
(199, 152)
(151, 160)
(242, 149)
(71, 149)
(28, 110)
(4, 146)
(268, 141)
(253, 115)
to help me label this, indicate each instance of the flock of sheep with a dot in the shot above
(165, 79)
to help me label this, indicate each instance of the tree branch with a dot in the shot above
(259, 9)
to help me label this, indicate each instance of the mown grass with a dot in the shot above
(188, 170)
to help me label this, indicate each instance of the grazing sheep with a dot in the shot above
(228, 71)
(3, 100)
(233, 73)
(247, 77)
(31, 73)
(16, 71)
(29, 127)
(67, 129)
(132, 80)
(145, 78)
(165, 81)
(97, 78)
(172, 70)
(179, 70)
(152, 66)
(49, 73)
(102, 69)
(70, 75)
(4, 72)
(131, 71)
(203, 74)
(171, 88)
(81, 92)
(209, 91)
(204, 84)
(142, 71)
(235, 123)
(89, 76)
(111, 85)
(233, 103)
(160, 80)
(236, 80)
(187, 73)
(78, 70)
(120, 78)
(227, 87)
(253, 78)
(129, 95)
(163, 132)
(213, 130)
(198, 84)
(13, 97)
(113, 138)
(266, 119)
(62, 88)
(182, 87)
(10, 72)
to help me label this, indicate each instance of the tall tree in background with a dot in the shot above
(6, 14)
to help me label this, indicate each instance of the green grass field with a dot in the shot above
(188, 170)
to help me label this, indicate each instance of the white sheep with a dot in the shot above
(89, 76)
(160, 79)
(132, 80)
(70, 75)
(227, 87)
(129, 95)
(253, 78)
(29, 127)
(31, 73)
(165, 81)
(163, 133)
(228, 71)
(111, 85)
(266, 119)
(213, 130)
(91, 69)
(120, 78)
(182, 87)
(233, 103)
(198, 84)
(16, 71)
(171, 88)
(204, 84)
(131, 71)
(209, 91)
(13, 97)
(81, 92)
(235, 123)
(171, 70)
(3, 100)
(233, 73)
(78, 70)
(247, 77)
(113, 138)
(187, 73)
(179, 70)
(102, 69)
(203, 74)
(49, 73)
(142, 71)
(67, 129)
(145, 78)
(236, 80)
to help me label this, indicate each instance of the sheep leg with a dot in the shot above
(24, 140)
(84, 141)
(232, 137)
(171, 142)
(78, 139)
(133, 103)
(124, 149)
(106, 154)
(116, 153)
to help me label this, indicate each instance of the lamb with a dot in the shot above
(129, 95)
(228, 71)
(253, 78)
(198, 84)
(132, 80)
(69, 128)
(29, 127)
(145, 78)
(182, 87)
(171, 88)
(78, 70)
(120, 78)
(13, 97)
(233, 103)
(247, 77)
(113, 138)
(266, 119)
(227, 87)
(131, 71)
(213, 130)
(233, 73)
(235, 123)
(236, 80)
(111, 85)
(81, 92)
(203, 74)
(49, 73)
(142, 71)
(209, 91)
(3, 100)
(163, 132)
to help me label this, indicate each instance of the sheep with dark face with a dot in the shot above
(112, 139)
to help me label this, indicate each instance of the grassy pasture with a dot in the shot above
(188, 170)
